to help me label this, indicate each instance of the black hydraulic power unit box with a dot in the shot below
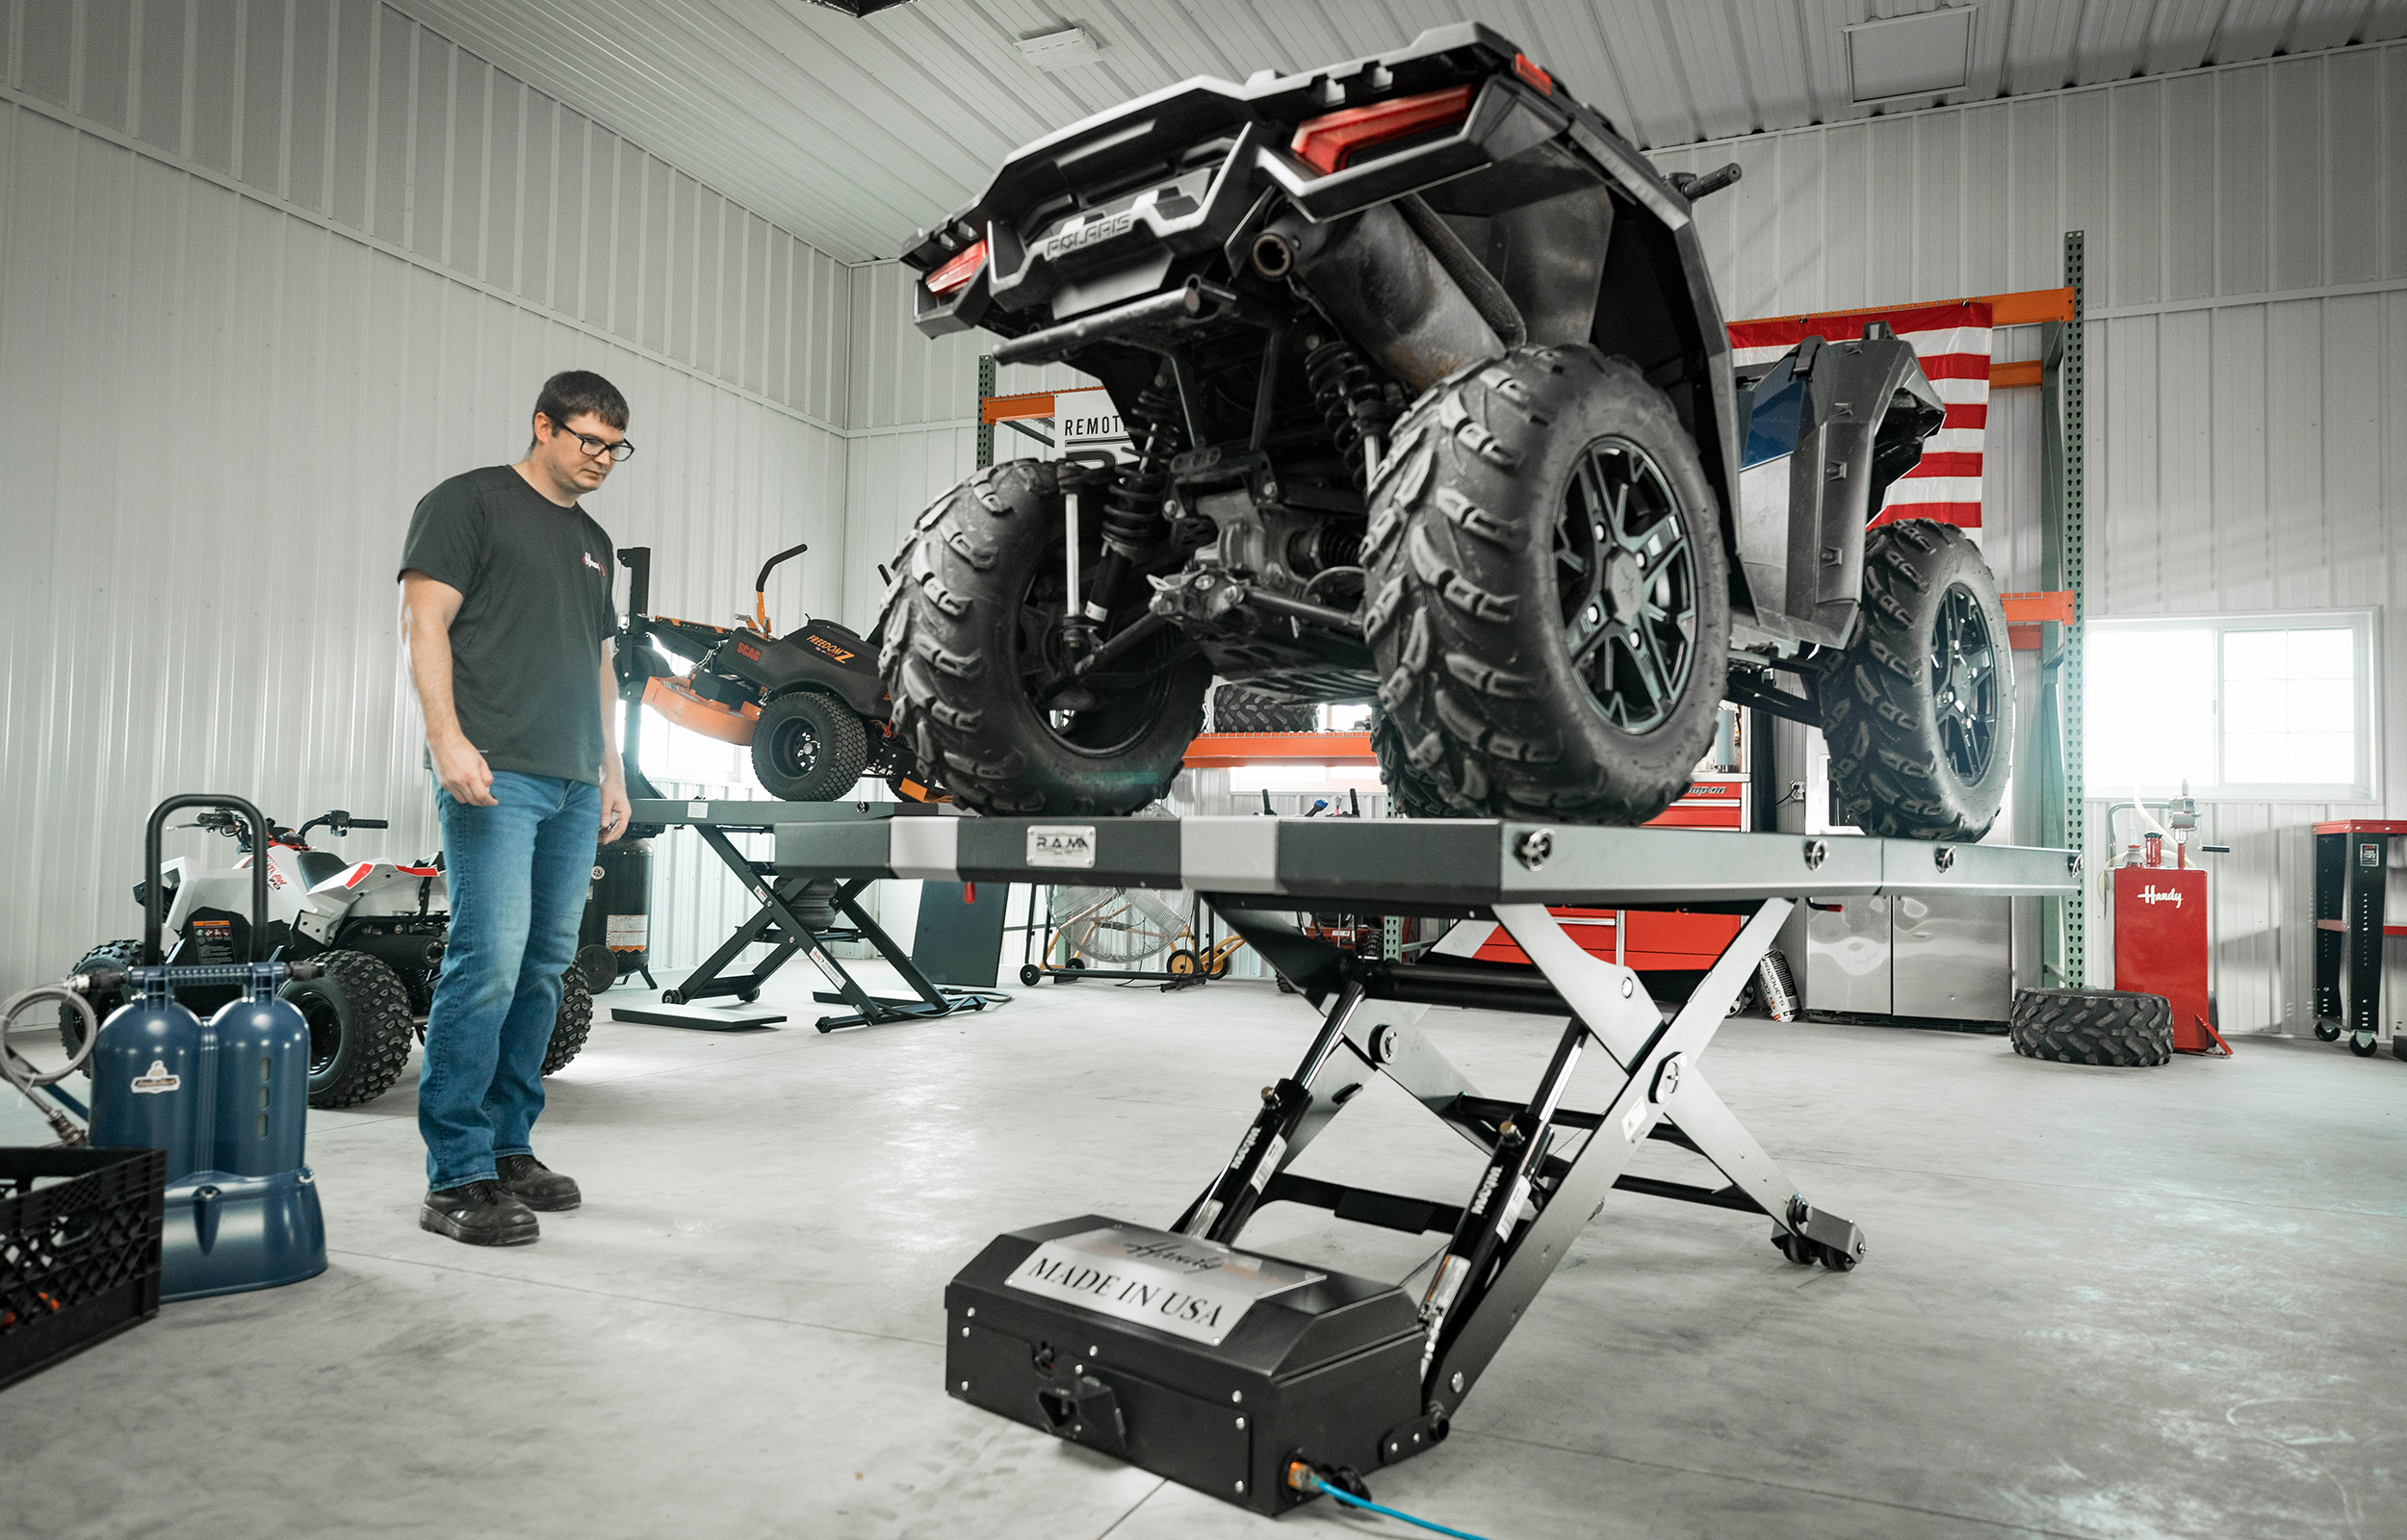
(1214, 1366)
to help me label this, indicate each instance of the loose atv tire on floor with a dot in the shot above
(972, 626)
(118, 955)
(2092, 1027)
(572, 1026)
(1920, 712)
(808, 747)
(359, 1026)
(1549, 598)
(1239, 709)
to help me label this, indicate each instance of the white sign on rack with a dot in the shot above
(1087, 420)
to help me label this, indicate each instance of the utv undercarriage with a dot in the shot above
(1431, 407)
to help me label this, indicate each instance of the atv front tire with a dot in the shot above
(972, 627)
(808, 747)
(1919, 713)
(359, 1026)
(572, 1026)
(115, 955)
(1550, 608)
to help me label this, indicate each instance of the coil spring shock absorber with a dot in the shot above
(1132, 508)
(1353, 401)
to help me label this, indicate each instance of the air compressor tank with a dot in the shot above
(618, 906)
(226, 1100)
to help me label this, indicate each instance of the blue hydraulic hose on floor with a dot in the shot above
(1368, 1507)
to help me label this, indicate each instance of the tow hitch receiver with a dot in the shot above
(1214, 1366)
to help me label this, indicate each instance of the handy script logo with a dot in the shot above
(2153, 894)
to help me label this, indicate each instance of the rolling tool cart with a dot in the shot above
(2352, 867)
(1228, 1370)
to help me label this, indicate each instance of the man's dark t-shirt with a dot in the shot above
(535, 581)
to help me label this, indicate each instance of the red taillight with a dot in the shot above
(1527, 69)
(957, 273)
(1326, 143)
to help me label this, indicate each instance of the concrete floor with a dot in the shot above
(2097, 1303)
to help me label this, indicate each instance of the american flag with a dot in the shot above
(1953, 342)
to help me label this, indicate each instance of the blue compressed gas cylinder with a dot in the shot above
(228, 1100)
(148, 1069)
(262, 1101)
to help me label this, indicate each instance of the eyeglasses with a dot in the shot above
(618, 450)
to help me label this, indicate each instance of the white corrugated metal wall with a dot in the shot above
(2247, 426)
(2247, 448)
(268, 271)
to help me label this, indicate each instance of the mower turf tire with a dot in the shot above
(1891, 771)
(572, 1026)
(115, 955)
(362, 1006)
(2109, 1027)
(1477, 516)
(808, 747)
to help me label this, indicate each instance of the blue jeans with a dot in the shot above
(516, 874)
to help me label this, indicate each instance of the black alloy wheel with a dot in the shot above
(1964, 682)
(1111, 711)
(1628, 584)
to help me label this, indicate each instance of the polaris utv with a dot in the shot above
(1431, 407)
(808, 702)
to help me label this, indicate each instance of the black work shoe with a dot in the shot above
(480, 1214)
(536, 1185)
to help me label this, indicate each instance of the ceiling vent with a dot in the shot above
(857, 8)
(1065, 49)
(1924, 55)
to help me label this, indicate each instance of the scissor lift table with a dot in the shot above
(1222, 1369)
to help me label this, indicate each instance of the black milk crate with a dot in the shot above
(79, 1258)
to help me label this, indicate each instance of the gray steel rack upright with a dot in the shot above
(1346, 1372)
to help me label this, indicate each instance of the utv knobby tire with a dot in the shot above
(1897, 763)
(2092, 1027)
(115, 955)
(361, 1027)
(969, 628)
(572, 1026)
(1472, 606)
(808, 747)
(1410, 794)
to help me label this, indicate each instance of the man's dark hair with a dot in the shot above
(573, 392)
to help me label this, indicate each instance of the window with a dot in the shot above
(2239, 706)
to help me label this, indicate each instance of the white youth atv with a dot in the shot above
(376, 928)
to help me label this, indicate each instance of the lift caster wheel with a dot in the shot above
(1795, 1247)
(672, 997)
(1030, 974)
(2328, 1031)
(2362, 1044)
(748, 996)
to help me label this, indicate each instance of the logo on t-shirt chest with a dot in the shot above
(595, 565)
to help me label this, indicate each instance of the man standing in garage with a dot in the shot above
(507, 613)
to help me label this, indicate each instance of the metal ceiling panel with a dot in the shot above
(854, 133)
